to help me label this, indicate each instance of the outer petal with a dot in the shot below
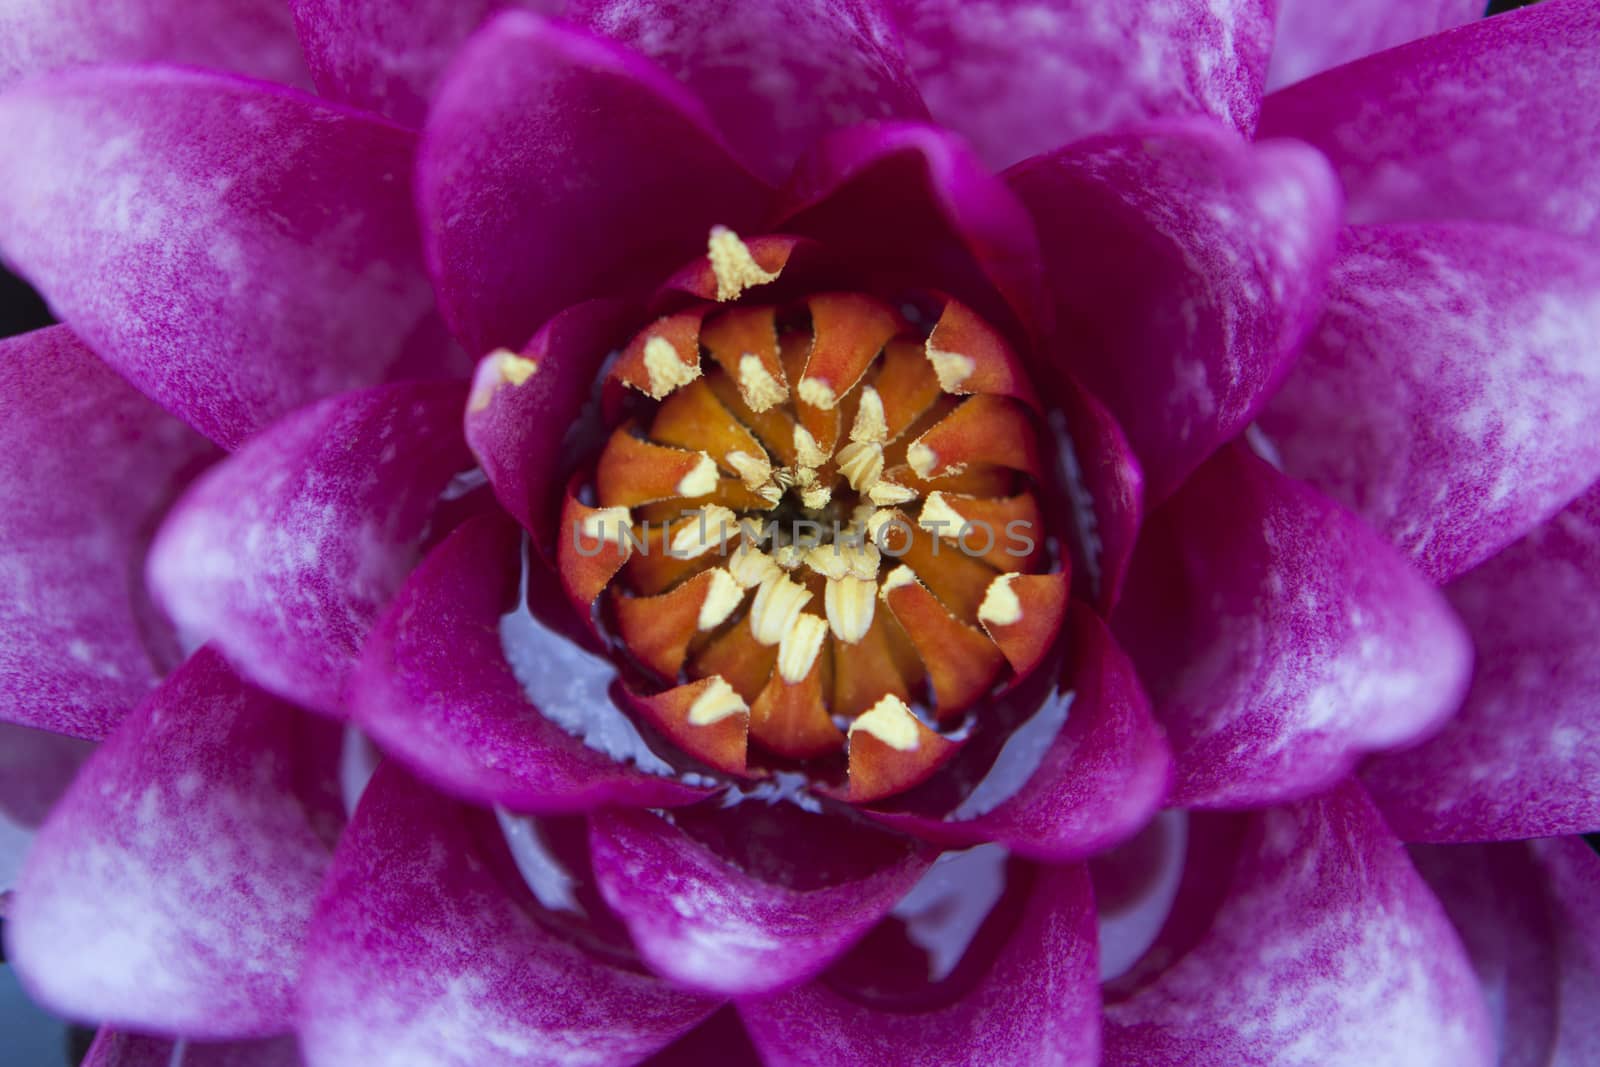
(776, 75)
(1495, 120)
(1522, 759)
(530, 204)
(1185, 267)
(284, 553)
(1088, 783)
(724, 924)
(913, 204)
(421, 954)
(1328, 950)
(388, 59)
(116, 1048)
(1450, 393)
(1313, 36)
(232, 249)
(86, 467)
(1105, 485)
(1020, 77)
(1037, 1003)
(171, 888)
(249, 36)
(1281, 638)
(434, 688)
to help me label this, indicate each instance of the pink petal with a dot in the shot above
(1038, 1002)
(249, 36)
(912, 205)
(1327, 949)
(712, 905)
(1106, 486)
(1314, 35)
(721, 1039)
(117, 1048)
(1494, 121)
(775, 75)
(522, 433)
(436, 691)
(423, 950)
(1448, 395)
(284, 553)
(1280, 638)
(1093, 781)
(1185, 266)
(1019, 77)
(87, 465)
(1522, 758)
(388, 59)
(171, 887)
(233, 249)
(529, 204)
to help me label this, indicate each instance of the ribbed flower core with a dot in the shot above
(821, 530)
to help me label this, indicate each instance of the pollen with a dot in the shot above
(735, 268)
(800, 647)
(501, 367)
(722, 600)
(666, 371)
(922, 459)
(717, 702)
(818, 393)
(701, 480)
(952, 368)
(1000, 605)
(851, 603)
(607, 524)
(890, 721)
(777, 605)
(760, 390)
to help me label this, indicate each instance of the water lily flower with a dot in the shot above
(803, 533)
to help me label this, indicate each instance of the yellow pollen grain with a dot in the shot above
(891, 722)
(879, 521)
(818, 393)
(701, 480)
(665, 370)
(1000, 605)
(951, 368)
(760, 390)
(816, 497)
(828, 561)
(885, 494)
(806, 448)
(724, 596)
(502, 367)
(900, 576)
(750, 566)
(771, 494)
(735, 268)
(606, 524)
(922, 459)
(703, 531)
(938, 517)
(872, 424)
(789, 557)
(753, 471)
(800, 647)
(715, 703)
(862, 464)
(851, 603)
(778, 603)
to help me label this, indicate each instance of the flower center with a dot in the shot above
(818, 524)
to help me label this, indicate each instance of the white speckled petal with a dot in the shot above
(1328, 950)
(1522, 759)
(1017, 77)
(1450, 393)
(1316, 35)
(1495, 120)
(1280, 638)
(284, 553)
(87, 465)
(425, 949)
(170, 889)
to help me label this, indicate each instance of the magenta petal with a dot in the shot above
(284, 553)
(1328, 949)
(1185, 266)
(1313, 35)
(520, 426)
(1448, 394)
(1522, 759)
(530, 203)
(434, 689)
(385, 58)
(1106, 485)
(248, 36)
(913, 204)
(775, 75)
(171, 887)
(1018, 77)
(116, 1048)
(709, 923)
(87, 465)
(234, 250)
(1281, 638)
(419, 953)
(1098, 781)
(1495, 120)
(1038, 1003)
